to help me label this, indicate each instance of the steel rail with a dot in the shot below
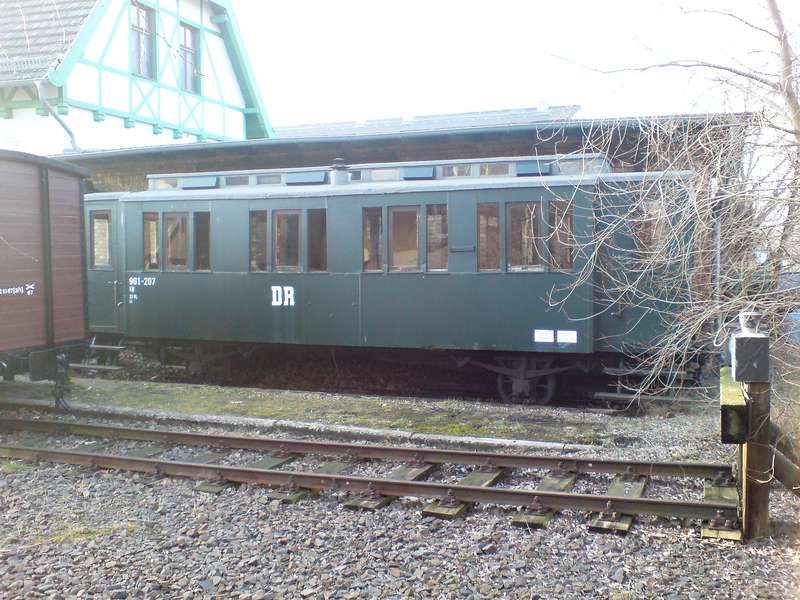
(398, 453)
(385, 487)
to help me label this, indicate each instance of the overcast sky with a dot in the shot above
(321, 61)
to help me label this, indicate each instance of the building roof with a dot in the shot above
(327, 135)
(35, 36)
(461, 121)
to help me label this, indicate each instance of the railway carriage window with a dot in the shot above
(404, 240)
(176, 241)
(560, 240)
(456, 170)
(258, 240)
(101, 238)
(372, 228)
(437, 237)
(488, 237)
(317, 240)
(490, 169)
(152, 260)
(202, 241)
(523, 235)
(650, 226)
(286, 240)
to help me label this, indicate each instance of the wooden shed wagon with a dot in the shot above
(42, 284)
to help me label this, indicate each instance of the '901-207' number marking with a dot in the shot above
(142, 281)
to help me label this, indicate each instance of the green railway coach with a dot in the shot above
(466, 255)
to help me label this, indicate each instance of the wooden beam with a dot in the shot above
(757, 463)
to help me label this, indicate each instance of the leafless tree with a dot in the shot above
(713, 228)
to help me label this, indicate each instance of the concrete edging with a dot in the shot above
(343, 432)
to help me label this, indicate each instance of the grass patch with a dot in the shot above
(71, 533)
(728, 388)
(9, 468)
(448, 417)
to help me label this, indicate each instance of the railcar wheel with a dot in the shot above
(543, 390)
(518, 387)
(505, 389)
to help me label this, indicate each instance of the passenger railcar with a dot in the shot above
(42, 287)
(460, 255)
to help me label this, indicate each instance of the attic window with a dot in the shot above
(410, 173)
(384, 174)
(234, 180)
(269, 179)
(533, 168)
(143, 41)
(305, 178)
(166, 183)
(201, 182)
(457, 170)
(491, 169)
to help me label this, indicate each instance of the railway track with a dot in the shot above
(612, 511)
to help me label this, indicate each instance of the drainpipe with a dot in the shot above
(56, 116)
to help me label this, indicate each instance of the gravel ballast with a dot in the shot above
(68, 531)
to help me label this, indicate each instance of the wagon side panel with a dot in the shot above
(65, 227)
(22, 301)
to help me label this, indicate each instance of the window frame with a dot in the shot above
(92, 264)
(446, 268)
(552, 237)
(273, 245)
(308, 240)
(392, 210)
(137, 67)
(500, 231)
(194, 245)
(379, 210)
(266, 232)
(159, 250)
(196, 52)
(540, 238)
(165, 242)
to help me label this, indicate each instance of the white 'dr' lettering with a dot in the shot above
(282, 295)
(288, 295)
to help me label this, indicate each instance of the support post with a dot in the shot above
(750, 366)
(757, 463)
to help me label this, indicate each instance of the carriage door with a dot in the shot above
(104, 263)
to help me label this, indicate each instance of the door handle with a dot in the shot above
(115, 283)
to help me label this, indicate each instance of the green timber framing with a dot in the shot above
(256, 122)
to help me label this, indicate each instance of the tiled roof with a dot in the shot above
(491, 118)
(36, 35)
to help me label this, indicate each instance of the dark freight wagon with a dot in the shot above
(457, 255)
(42, 289)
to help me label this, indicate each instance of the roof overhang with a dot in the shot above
(582, 126)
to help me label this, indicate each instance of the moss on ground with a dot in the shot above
(9, 467)
(70, 532)
(449, 417)
(728, 387)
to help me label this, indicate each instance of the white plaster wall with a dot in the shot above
(29, 132)
(33, 133)
(110, 43)
(84, 84)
